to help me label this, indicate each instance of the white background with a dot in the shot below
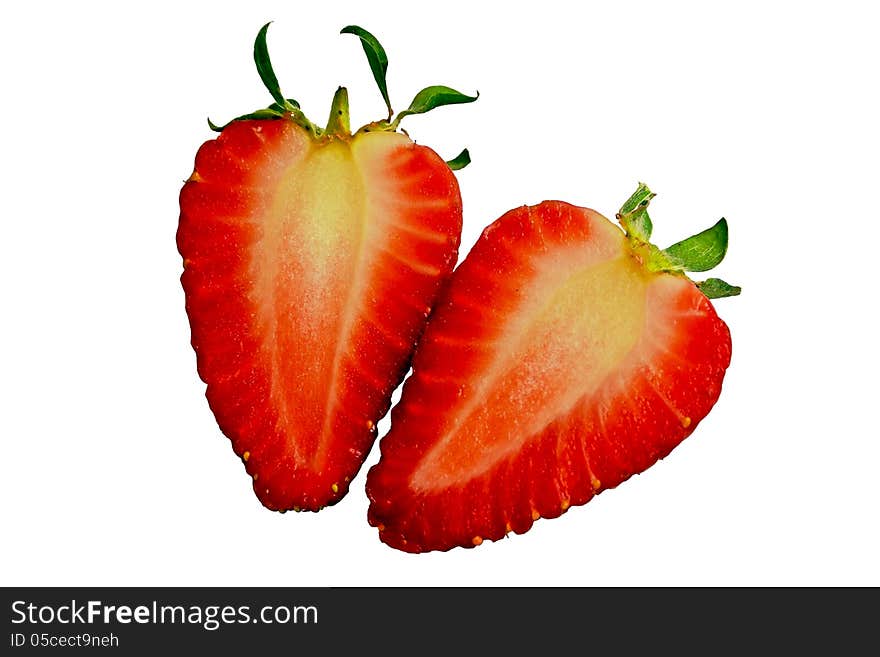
(113, 469)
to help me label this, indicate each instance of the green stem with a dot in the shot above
(633, 215)
(338, 125)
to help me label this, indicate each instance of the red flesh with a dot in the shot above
(553, 367)
(309, 270)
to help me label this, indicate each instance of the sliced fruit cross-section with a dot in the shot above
(563, 357)
(312, 258)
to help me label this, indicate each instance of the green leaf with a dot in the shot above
(715, 288)
(267, 113)
(289, 106)
(460, 161)
(376, 57)
(642, 196)
(633, 214)
(264, 66)
(703, 251)
(433, 97)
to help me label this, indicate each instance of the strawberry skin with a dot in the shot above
(310, 265)
(555, 365)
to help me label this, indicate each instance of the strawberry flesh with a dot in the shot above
(310, 266)
(554, 366)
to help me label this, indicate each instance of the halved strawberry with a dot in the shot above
(563, 357)
(312, 258)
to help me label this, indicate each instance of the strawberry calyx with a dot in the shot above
(338, 124)
(427, 99)
(282, 107)
(697, 253)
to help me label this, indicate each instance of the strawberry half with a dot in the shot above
(563, 357)
(312, 258)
